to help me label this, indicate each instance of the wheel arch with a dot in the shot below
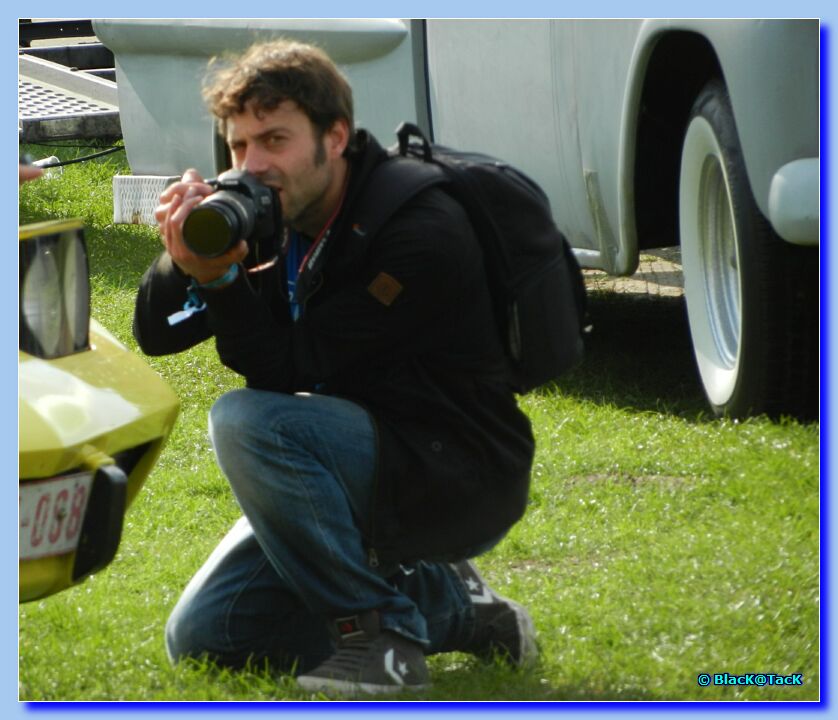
(676, 65)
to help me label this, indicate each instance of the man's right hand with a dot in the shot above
(176, 202)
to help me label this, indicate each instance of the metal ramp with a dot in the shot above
(65, 91)
(56, 103)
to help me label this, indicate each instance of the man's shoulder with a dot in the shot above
(432, 215)
(391, 191)
(431, 224)
(432, 205)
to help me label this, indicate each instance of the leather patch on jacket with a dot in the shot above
(385, 288)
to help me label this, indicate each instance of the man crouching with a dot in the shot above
(376, 447)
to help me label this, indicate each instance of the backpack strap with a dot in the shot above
(390, 185)
(404, 133)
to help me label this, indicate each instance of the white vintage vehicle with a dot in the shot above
(643, 133)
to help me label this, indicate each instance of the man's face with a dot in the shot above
(281, 148)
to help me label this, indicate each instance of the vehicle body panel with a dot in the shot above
(105, 399)
(561, 99)
(583, 83)
(83, 411)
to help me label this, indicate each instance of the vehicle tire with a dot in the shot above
(752, 298)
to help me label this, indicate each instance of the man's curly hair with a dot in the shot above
(269, 73)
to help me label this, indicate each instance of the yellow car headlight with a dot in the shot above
(54, 289)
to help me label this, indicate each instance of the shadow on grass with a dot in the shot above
(455, 677)
(638, 356)
(497, 685)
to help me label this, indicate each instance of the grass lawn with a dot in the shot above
(659, 543)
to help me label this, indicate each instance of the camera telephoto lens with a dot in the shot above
(218, 223)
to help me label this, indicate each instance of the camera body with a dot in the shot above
(240, 208)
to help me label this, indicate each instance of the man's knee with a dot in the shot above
(229, 420)
(189, 635)
(228, 411)
(182, 640)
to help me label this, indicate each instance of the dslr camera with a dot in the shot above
(240, 208)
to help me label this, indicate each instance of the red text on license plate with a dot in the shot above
(51, 514)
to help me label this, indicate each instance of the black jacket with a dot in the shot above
(400, 323)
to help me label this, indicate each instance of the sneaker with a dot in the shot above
(502, 626)
(368, 660)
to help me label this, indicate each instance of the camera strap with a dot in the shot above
(309, 269)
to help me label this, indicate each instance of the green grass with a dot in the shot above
(659, 543)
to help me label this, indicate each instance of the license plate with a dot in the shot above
(51, 514)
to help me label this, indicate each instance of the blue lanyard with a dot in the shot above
(294, 256)
(297, 253)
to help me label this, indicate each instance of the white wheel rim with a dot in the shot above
(710, 257)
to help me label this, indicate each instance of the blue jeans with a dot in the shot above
(302, 468)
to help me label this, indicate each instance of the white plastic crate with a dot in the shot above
(136, 196)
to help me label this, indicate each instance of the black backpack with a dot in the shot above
(534, 277)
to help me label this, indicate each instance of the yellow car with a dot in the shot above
(93, 418)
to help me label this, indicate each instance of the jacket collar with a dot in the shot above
(369, 154)
(342, 247)
(367, 157)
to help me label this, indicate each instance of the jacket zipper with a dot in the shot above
(372, 553)
(318, 284)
